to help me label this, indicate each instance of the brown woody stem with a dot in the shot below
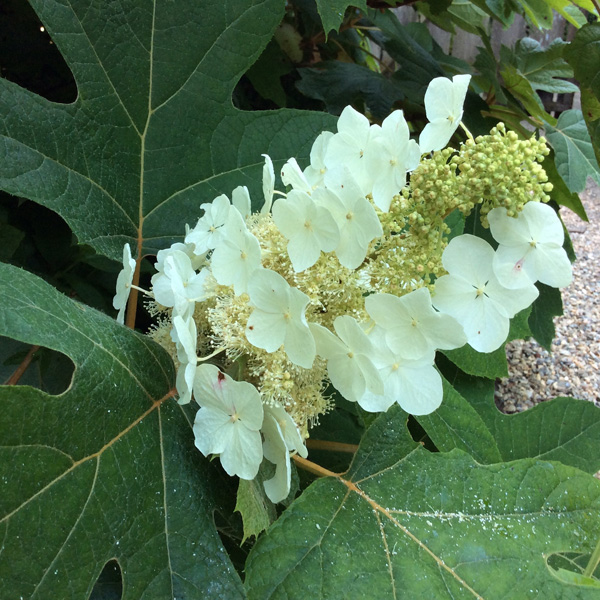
(314, 468)
(14, 378)
(331, 446)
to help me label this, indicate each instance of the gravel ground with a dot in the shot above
(573, 367)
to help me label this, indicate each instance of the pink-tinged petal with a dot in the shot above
(209, 387)
(513, 266)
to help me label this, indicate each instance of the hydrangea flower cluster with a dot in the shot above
(347, 278)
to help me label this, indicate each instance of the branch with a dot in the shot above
(14, 378)
(331, 446)
(314, 468)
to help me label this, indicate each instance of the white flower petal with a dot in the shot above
(123, 286)
(417, 389)
(243, 453)
(266, 330)
(240, 198)
(291, 174)
(530, 247)
(289, 430)
(299, 344)
(444, 101)
(274, 448)
(268, 183)
(212, 430)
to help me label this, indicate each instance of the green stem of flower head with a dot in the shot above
(139, 289)
(237, 369)
(469, 134)
(593, 562)
(212, 355)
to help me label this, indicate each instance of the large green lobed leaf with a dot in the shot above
(153, 132)
(563, 429)
(574, 154)
(107, 470)
(405, 523)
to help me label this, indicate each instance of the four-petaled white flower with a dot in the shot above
(354, 214)
(414, 330)
(308, 227)
(237, 256)
(444, 100)
(124, 281)
(530, 247)
(349, 365)
(415, 385)
(278, 318)
(348, 147)
(472, 294)
(178, 286)
(391, 155)
(281, 437)
(229, 421)
(208, 231)
(197, 260)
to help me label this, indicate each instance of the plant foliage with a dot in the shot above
(173, 103)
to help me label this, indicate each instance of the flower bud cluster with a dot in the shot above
(501, 170)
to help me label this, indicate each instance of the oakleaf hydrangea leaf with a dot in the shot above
(562, 429)
(412, 524)
(544, 68)
(332, 12)
(107, 470)
(153, 133)
(574, 154)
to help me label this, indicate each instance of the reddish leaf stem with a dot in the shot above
(314, 468)
(133, 296)
(16, 376)
(331, 446)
